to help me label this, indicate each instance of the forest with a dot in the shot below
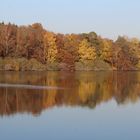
(33, 48)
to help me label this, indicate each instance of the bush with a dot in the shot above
(89, 65)
(21, 64)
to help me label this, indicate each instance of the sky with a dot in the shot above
(108, 18)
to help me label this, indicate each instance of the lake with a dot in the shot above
(70, 106)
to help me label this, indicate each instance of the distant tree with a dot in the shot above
(30, 42)
(38, 51)
(7, 39)
(68, 49)
(50, 47)
(106, 50)
(94, 41)
(86, 52)
(22, 44)
(126, 59)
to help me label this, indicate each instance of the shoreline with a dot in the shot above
(23, 64)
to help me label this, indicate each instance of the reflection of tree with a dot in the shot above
(126, 87)
(81, 89)
(12, 102)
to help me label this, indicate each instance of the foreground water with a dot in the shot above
(69, 106)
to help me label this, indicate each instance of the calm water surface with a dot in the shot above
(69, 106)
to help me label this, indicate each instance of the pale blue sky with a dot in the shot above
(108, 18)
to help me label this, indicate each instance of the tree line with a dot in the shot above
(87, 51)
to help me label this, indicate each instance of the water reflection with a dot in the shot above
(84, 89)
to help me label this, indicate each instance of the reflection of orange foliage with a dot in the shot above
(86, 89)
(81, 89)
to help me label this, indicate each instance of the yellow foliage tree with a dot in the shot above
(134, 47)
(86, 52)
(106, 50)
(50, 47)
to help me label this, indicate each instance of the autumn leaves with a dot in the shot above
(67, 52)
(86, 52)
(50, 47)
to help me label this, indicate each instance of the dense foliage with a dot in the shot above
(40, 49)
